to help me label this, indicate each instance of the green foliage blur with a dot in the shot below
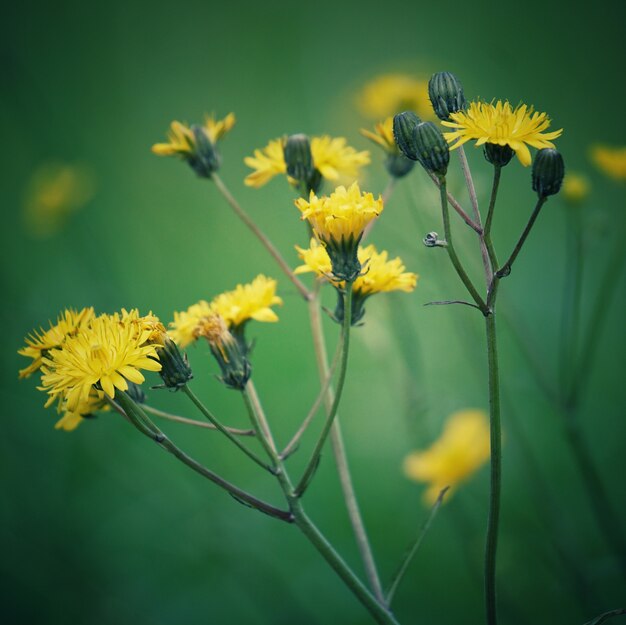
(99, 526)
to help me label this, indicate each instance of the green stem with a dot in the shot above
(451, 251)
(497, 170)
(315, 456)
(412, 550)
(263, 238)
(455, 205)
(606, 616)
(142, 422)
(207, 413)
(496, 471)
(200, 424)
(505, 270)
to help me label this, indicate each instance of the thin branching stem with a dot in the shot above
(456, 206)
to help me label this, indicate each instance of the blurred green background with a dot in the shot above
(98, 526)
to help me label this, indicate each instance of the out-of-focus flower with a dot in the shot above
(183, 328)
(338, 221)
(575, 187)
(53, 193)
(502, 125)
(333, 158)
(396, 163)
(71, 419)
(389, 94)
(462, 448)
(610, 160)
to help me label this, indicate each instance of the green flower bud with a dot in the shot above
(205, 158)
(298, 157)
(432, 149)
(446, 94)
(358, 307)
(498, 155)
(398, 165)
(175, 370)
(404, 125)
(548, 172)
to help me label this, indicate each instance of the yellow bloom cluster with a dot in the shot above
(341, 216)
(462, 448)
(332, 157)
(610, 160)
(389, 94)
(501, 124)
(182, 142)
(84, 357)
(246, 301)
(380, 275)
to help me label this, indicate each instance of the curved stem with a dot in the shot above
(315, 456)
(207, 413)
(456, 206)
(200, 424)
(452, 252)
(141, 421)
(269, 246)
(497, 170)
(496, 471)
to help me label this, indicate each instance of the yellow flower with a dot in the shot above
(393, 93)
(182, 142)
(575, 187)
(332, 157)
(40, 342)
(382, 135)
(502, 125)
(72, 419)
(248, 301)
(610, 160)
(53, 193)
(183, 328)
(459, 452)
(104, 354)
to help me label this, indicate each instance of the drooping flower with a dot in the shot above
(332, 158)
(104, 355)
(40, 342)
(389, 94)
(575, 187)
(196, 143)
(379, 275)
(338, 221)
(610, 160)
(462, 448)
(502, 125)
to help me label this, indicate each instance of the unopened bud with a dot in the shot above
(205, 158)
(498, 155)
(404, 125)
(446, 94)
(175, 370)
(432, 149)
(548, 172)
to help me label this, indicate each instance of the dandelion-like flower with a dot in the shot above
(333, 158)
(380, 275)
(40, 342)
(104, 355)
(501, 124)
(338, 221)
(391, 93)
(462, 448)
(183, 329)
(610, 160)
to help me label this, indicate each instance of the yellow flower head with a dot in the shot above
(393, 93)
(610, 160)
(215, 330)
(104, 354)
(53, 193)
(501, 124)
(575, 187)
(460, 451)
(248, 301)
(40, 342)
(182, 142)
(70, 420)
(382, 135)
(183, 328)
(332, 157)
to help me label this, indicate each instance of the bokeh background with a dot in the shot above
(98, 526)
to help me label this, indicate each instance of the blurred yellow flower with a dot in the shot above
(183, 328)
(105, 354)
(501, 124)
(389, 94)
(182, 142)
(332, 157)
(71, 419)
(575, 187)
(40, 342)
(462, 448)
(610, 160)
(382, 135)
(53, 193)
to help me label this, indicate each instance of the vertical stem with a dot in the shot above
(497, 170)
(496, 471)
(339, 452)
